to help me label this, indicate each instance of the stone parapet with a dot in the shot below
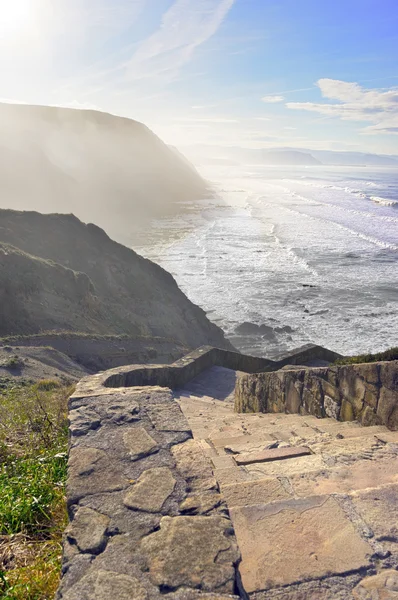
(366, 392)
(147, 520)
(186, 368)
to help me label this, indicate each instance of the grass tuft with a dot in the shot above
(33, 463)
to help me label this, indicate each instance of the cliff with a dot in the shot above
(91, 163)
(56, 273)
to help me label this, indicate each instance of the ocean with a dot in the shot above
(298, 255)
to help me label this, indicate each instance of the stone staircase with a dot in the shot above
(314, 502)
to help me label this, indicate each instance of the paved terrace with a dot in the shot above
(156, 476)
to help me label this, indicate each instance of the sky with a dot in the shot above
(320, 74)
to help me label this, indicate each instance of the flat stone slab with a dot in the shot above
(87, 530)
(139, 443)
(379, 509)
(296, 540)
(360, 475)
(248, 493)
(271, 455)
(196, 552)
(151, 490)
(103, 585)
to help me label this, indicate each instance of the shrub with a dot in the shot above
(46, 385)
(387, 355)
(15, 362)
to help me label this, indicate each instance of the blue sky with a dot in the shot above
(254, 73)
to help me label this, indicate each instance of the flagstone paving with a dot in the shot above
(314, 502)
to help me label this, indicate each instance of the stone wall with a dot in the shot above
(367, 392)
(146, 517)
(203, 358)
(147, 520)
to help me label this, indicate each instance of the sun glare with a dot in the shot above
(15, 16)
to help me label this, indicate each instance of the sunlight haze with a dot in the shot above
(220, 72)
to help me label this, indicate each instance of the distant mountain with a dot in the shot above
(288, 157)
(354, 159)
(56, 273)
(233, 155)
(95, 165)
(229, 155)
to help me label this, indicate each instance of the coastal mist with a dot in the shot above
(283, 256)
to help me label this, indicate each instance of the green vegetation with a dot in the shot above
(391, 354)
(13, 363)
(33, 444)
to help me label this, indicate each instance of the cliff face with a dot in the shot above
(56, 273)
(91, 163)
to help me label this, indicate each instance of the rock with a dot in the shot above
(389, 375)
(383, 586)
(201, 503)
(196, 552)
(285, 329)
(387, 408)
(346, 411)
(168, 417)
(82, 420)
(151, 490)
(294, 390)
(91, 472)
(247, 328)
(369, 417)
(139, 443)
(106, 585)
(332, 408)
(123, 412)
(194, 466)
(312, 395)
(88, 530)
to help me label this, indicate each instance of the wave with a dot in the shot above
(353, 191)
(384, 201)
(359, 234)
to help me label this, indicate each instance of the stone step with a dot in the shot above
(272, 454)
(344, 479)
(247, 493)
(296, 540)
(359, 476)
(352, 432)
(284, 468)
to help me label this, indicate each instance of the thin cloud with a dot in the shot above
(185, 26)
(158, 59)
(352, 102)
(272, 99)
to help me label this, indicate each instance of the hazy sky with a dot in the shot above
(256, 73)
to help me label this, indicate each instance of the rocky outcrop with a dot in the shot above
(366, 392)
(61, 274)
